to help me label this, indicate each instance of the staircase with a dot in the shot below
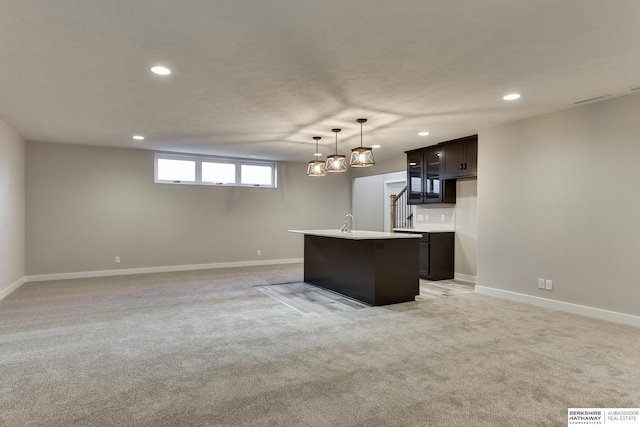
(401, 213)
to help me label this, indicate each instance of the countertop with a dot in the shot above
(357, 234)
(414, 230)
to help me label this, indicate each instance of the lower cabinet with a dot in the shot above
(437, 255)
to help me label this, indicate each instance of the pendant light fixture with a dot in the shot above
(361, 157)
(316, 167)
(336, 162)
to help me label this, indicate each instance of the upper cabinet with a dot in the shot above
(424, 177)
(432, 171)
(460, 159)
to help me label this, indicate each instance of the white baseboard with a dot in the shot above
(126, 271)
(464, 277)
(6, 291)
(568, 307)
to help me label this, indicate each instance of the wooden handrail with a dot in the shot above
(404, 190)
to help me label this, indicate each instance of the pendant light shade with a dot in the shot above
(316, 167)
(361, 157)
(336, 162)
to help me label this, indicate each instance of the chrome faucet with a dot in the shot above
(345, 227)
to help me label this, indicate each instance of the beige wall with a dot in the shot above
(466, 217)
(558, 198)
(12, 196)
(86, 205)
(368, 201)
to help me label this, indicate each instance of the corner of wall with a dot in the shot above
(12, 210)
(6, 291)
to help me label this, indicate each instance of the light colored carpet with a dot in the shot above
(206, 348)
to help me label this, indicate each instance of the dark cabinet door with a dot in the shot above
(471, 151)
(424, 178)
(461, 158)
(437, 255)
(415, 177)
(441, 256)
(432, 187)
(454, 158)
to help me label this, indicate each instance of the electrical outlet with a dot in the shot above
(548, 285)
(259, 252)
(117, 260)
(540, 283)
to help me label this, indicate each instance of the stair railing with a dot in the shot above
(401, 215)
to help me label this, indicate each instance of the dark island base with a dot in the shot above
(374, 271)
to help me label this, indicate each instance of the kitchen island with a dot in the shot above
(373, 267)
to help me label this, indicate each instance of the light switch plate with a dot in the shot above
(548, 284)
(540, 283)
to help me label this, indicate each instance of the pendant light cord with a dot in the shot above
(361, 121)
(336, 132)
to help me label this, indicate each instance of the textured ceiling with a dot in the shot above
(261, 78)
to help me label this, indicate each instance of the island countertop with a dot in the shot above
(357, 234)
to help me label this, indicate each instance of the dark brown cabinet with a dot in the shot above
(432, 171)
(437, 255)
(460, 158)
(424, 178)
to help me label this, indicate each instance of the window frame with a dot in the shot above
(198, 159)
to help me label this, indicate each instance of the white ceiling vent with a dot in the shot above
(592, 99)
(634, 89)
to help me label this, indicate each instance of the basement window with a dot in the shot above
(175, 170)
(205, 170)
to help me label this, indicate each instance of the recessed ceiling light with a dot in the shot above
(425, 133)
(511, 96)
(138, 137)
(375, 146)
(159, 69)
